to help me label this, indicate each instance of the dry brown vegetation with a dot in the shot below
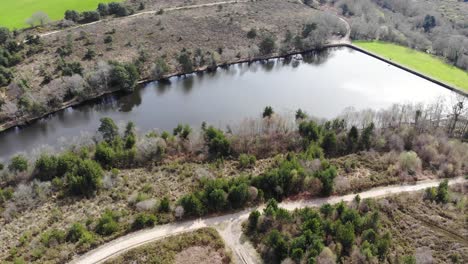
(128, 191)
(432, 232)
(201, 246)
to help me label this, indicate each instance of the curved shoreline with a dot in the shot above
(26, 120)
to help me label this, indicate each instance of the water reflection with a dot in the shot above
(321, 83)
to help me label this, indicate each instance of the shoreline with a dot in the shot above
(26, 120)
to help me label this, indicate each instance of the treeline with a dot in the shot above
(103, 10)
(338, 233)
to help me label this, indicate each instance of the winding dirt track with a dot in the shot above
(229, 226)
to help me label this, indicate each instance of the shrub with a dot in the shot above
(164, 205)
(160, 68)
(103, 9)
(442, 192)
(90, 16)
(327, 177)
(267, 46)
(247, 161)
(252, 33)
(108, 39)
(185, 62)
(144, 220)
(253, 220)
(53, 237)
(238, 195)
(409, 162)
(72, 15)
(107, 224)
(78, 233)
(18, 164)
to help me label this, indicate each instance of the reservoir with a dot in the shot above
(323, 84)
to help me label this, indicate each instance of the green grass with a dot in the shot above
(419, 61)
(13, 13)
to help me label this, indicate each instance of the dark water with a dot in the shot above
(323, 85)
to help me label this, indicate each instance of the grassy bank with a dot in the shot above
(419, 61)
(13, 14)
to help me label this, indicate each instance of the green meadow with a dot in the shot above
(419, 61)
(13, 13)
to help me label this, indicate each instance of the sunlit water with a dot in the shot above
(322, 85)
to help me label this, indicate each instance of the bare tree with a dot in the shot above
(40, 18)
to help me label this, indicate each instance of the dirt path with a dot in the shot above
(148, 13)
(229, 226)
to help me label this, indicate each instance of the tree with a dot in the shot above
(353, 137)
(185, 62)
(107, 224)
(72, 15)
(329, 144)
(326, 177)
(4, 35)
(18, 164)
(218, 144)
(300, 115)
(345, 235)
(267, 46)
(124, 76)
(46, 167)
(442, 192)
(117, 9)
(309, 131)
(192, 205)
(78, 232)
(39, 18)
(365, 141)
(429, 23)
(85, 178)
(103, 9)
(160, 68)
(108, 129)
(277, 242)
(217, 200)
(268, 112)
(90, 16)
(238, 195)
(253, 220)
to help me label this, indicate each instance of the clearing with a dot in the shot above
(13, 14)
(419, 61)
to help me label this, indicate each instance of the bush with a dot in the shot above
(108, 129)
(53, 237)
(144, 220)
(327, 177)
(247, 161)
(18, 164)
(252, 33)
(238, 195)
(78, 233)
(267, 46)
(72, 15)
(164, 206)
(107, 224)
(90, 16)
(409, 162)
(253, 220)
(118, 9)
(185, 62)
(103, 9)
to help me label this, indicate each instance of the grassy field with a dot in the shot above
(419, 61)
(13, 14)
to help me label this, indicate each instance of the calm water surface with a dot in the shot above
(323, 85)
